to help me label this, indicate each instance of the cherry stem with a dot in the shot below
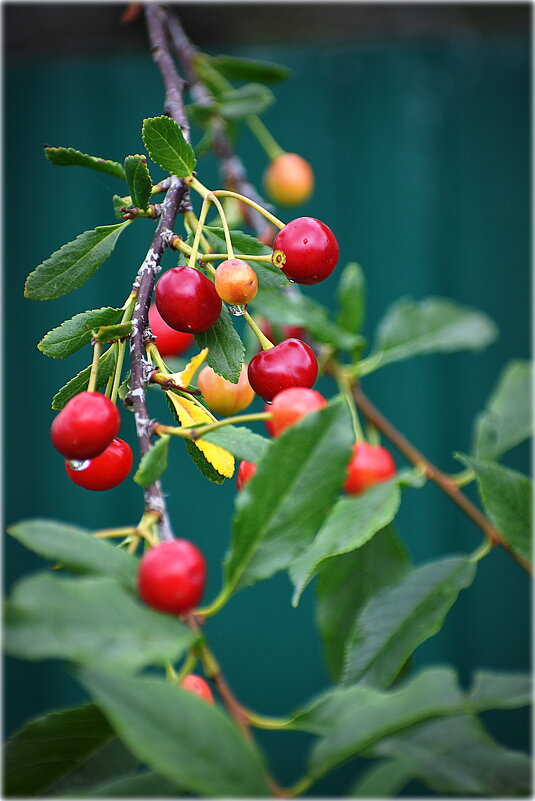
(198, 231)
(224, 223)
(97, 350)
(265, 343)
(264, 137)
(444, 481)
(203, 191)
(344, 385)
(197, 432)
(121, 349)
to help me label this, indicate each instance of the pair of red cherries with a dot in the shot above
(85, 433)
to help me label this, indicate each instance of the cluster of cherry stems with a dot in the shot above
(172, 574)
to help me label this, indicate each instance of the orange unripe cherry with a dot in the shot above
(289, 179)
(236, 282)
(222, 396)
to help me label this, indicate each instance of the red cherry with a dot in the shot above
(246, 471)
(85, 426)
(369, 465)
(290, 364)
(289, 179)
(222, 396)
(290, 406)
(236, 282)
(106, 470)
(287, 331)
(172, 576)
(196, 685)
(187, 300)
(306, 250)
(170, 342)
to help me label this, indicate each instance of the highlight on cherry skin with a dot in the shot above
(290, 406)
(222, 396)
(197, 686)
(236, 282)
(105, 471)
(292, 363)
(85, 426)
(306, 250)
(246, 471)
(369, 465)
(172, 576)
(187, 300)
(289, 179)
(169, 341)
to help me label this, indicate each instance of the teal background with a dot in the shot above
(421, 149)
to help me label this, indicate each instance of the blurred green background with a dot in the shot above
(418, 128)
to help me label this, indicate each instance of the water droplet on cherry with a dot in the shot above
(78, 464)
(237, 311)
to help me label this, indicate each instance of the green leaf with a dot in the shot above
(191, 743)
(281, 508)
(507, 419)
(110, 761)
(492, 690)
(507, 499)
(398, 619)
(73, 334)
(253, 98)
(76, 550)
(80, 382)
(457, 757)
(352, 522)
(50, 747)
(112, 333)
(379, 714)
(118, 204)
(134, 785)
(248, 69)
(225, 348)
(351, 293)
(384, 779)
(240, 441)
(73, 264)
(92, 621)
(289, 308)
(432, 325)
(269, 276)
(167, 147)
(139, 181)
(154, 463)
(345, 585)
(68, 156)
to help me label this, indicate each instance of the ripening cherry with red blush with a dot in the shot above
(85, 426)
(369, 465)
(306, 250)
(222, 396)
(172, 576)
(197, 686)
(289, 179)
(187, 300)
(169, 341)
(246, 471)
(236, 282)
(292, 363)
(290, 406)
(105, 471)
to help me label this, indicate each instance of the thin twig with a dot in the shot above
(445, 483)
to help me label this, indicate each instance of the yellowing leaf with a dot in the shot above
(190, 414)
(184, 377)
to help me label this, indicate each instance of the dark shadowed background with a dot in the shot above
(416, 119)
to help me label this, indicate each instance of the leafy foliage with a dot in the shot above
(248, 69)
(80, 382)
(73, 264)
(50, 747)
(225, 348)
(167, 147)
(73, 334)
(139, 181)
(68, 156)
(179, 735)
(154, 463)
(77, 619)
